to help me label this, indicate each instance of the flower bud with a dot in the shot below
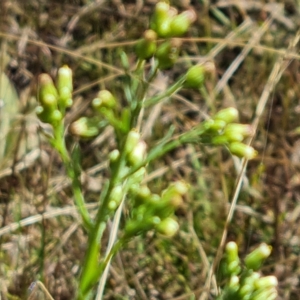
(234, 281)
(114, 155)
(167, 227)
(115, 197)
(215, 125)
(242, 150)
(65, 87)
(167, 53)
(245, 291)
(83, 127)
(137, 155)
(232, 252)
(219, 140)
(181, 187)
(154, 199)
(228, 115)
(172, 196)
(236, 132)
(268, 294)
(266, 282)
(194, 77)
(104, 99)
(143, 194)
(180, 24)
(47, 91)
(131, 142)
(255, 259)
(232, 259)
(48, 116)
(161, 19)
(146, 47)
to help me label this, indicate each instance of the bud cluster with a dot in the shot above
(104, 104)
(153, 211)
(53, 101)
(244, 282)
(225, 131)
(165, 23)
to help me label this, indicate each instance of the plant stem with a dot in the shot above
(90, 272)
(59, 144)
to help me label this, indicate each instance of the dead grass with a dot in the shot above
(256, 70)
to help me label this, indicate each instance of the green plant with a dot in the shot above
(128, 162)
(243, 282)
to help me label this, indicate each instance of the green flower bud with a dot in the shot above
(48, 116)
(167, 53)
(65, 87)
(180, 24)
(233, 267)
(131, 142)
(168, 227)
(104, 99)
(216, 125)
(47, 91)
(242, 150)
(143, 194)
(268, 294)
(266, 282)
(245, 291)
(137, 155)
(160, 22)
(114, 155)
(232, 259)
(251, 278)
(255, 259)
(146, 47)
(181, 187)
(236, 132)
(232, 252)
(234, 282)
(228, 115)
(172, 196)
(195, 77)
(84, 127)
(219, 140)
(115, 197)
(154, 199)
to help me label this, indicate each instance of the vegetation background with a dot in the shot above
(245, 41)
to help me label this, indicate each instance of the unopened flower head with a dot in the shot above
(138, 153)
(65, 86)
(228, 115)
(167, 53)
(167, 227)
(83, 128)
(180, 24)
(255, 259)
(195, 77)
(146, 47)
(242, 150)
(104, 99)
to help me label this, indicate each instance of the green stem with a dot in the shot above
(90, 274)
(59, 144)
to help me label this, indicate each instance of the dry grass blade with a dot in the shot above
(52, 213)
(257, 35)
(39, 292)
